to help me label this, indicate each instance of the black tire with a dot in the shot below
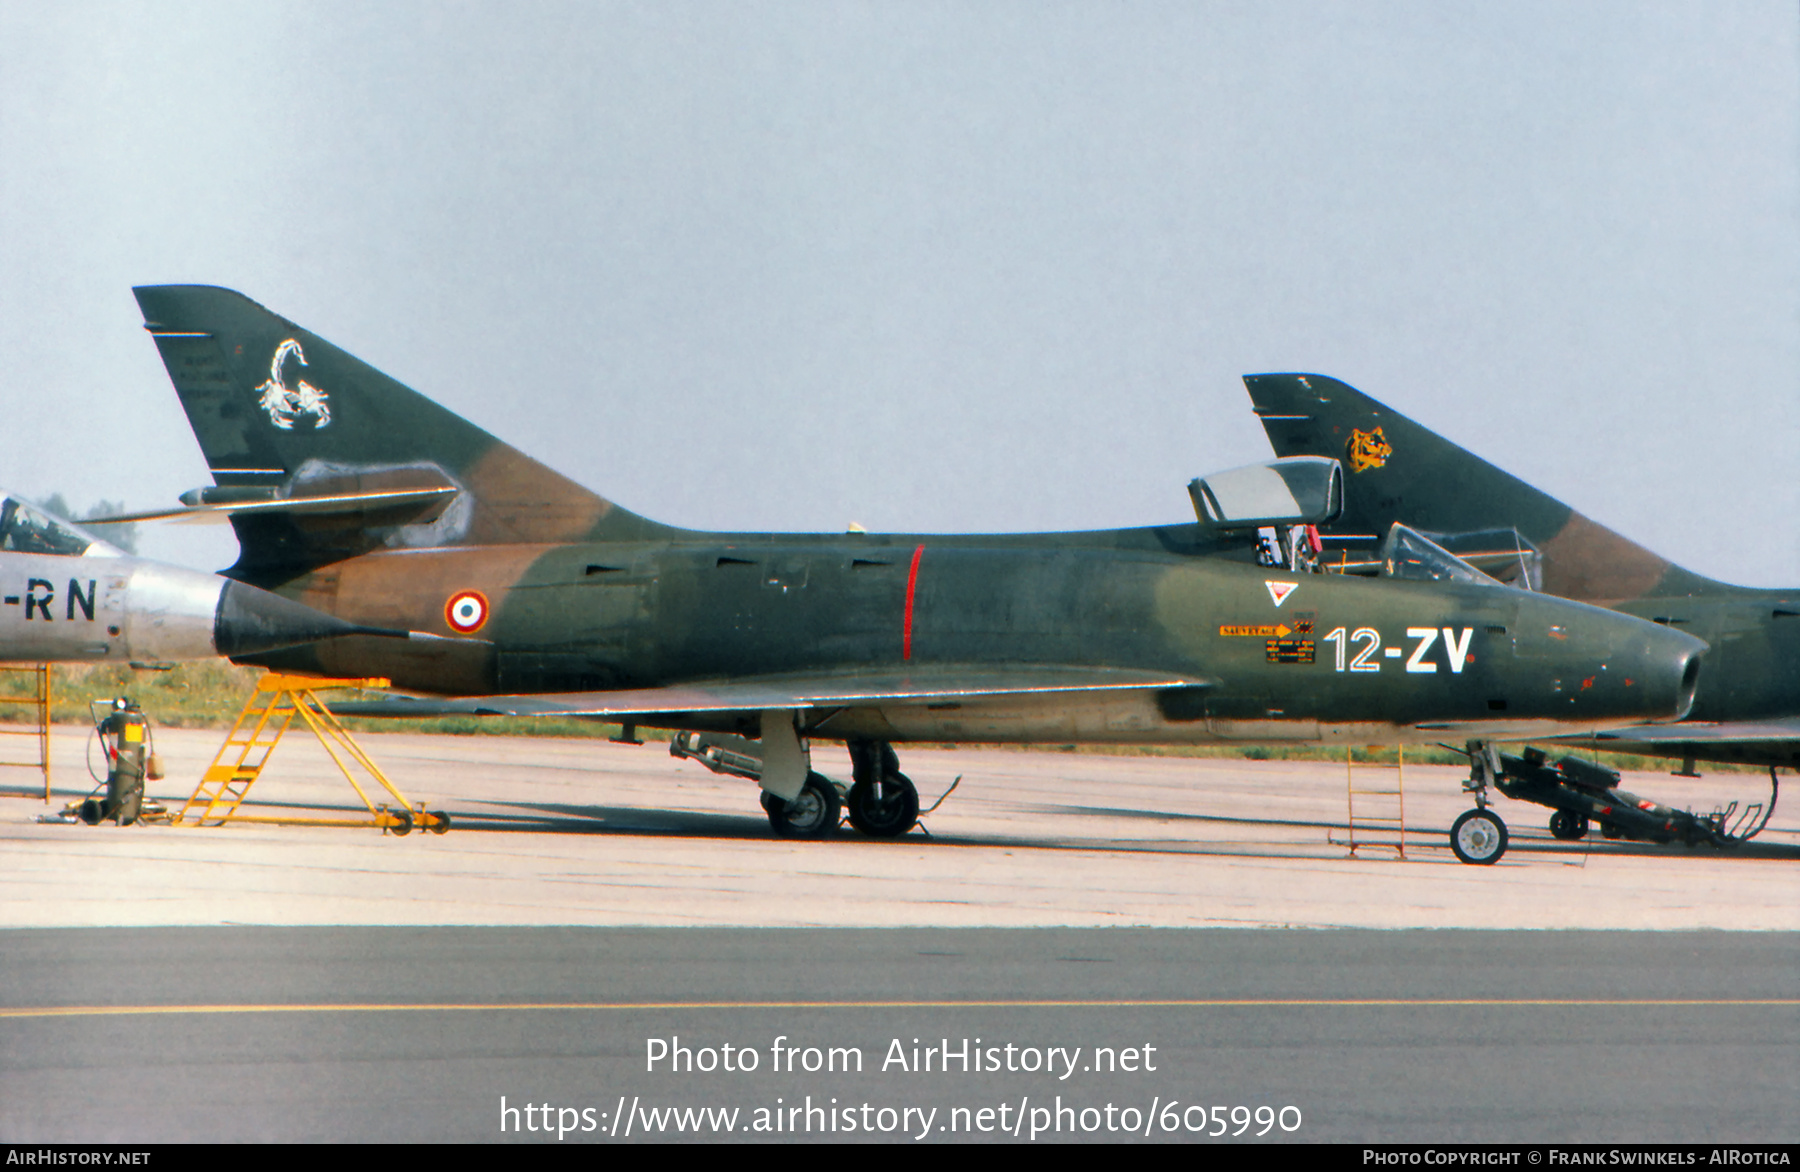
(1478, 838)
(406, 824)
(442, 825)
(814, 813)
(1568, 825)
(888, 816)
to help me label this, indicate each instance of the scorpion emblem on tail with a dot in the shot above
(285, 404)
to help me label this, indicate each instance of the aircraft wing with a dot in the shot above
(939, 683)
(1752, 742)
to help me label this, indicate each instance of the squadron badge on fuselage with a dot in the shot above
(285, 404)
(1366, 450)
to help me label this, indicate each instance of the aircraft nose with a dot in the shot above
(1689, 686)
(1666, 661)
(1601, 665)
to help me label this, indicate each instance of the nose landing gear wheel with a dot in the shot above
(1568, 826)
(1478, 837)
(814, 812)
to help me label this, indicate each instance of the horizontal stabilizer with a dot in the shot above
(418, 499)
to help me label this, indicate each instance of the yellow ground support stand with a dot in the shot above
(39, 703)
(252, 740)
(1379, 818)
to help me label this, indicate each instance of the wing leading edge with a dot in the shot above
(1748, 742)
(937, 685)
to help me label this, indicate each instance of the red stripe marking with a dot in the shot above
(912, 584)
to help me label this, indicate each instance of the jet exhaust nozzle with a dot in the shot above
(250, 620)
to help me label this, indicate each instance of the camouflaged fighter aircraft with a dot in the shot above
(68, 597)
(1398, 471)
(356, 495)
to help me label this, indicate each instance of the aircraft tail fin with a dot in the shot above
(280, 414)
(1397, 470)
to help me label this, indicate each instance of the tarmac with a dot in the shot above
(594, 901)
(575, 831)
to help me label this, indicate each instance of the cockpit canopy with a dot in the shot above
(1295, 490)
(1407, 553)
(25, 528)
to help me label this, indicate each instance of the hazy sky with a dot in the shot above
(976, 266)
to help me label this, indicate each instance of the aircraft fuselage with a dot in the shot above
(1310, 657)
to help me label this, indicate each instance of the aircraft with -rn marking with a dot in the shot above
(357, 496)
(67, 596)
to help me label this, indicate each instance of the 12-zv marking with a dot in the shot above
(1368, 640)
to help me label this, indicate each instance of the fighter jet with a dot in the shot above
(354, 494)
(1749, 708)
(67, 596)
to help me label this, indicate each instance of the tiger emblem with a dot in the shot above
(1366, 450)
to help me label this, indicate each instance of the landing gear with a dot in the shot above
(1569, 825)
(814, 812)
(1478, 837)
(883, 802)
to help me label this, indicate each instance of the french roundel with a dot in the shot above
(467, 611)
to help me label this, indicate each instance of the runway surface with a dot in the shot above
(1366, 1036)
(274, 982)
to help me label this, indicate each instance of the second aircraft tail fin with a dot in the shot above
(1397, 470)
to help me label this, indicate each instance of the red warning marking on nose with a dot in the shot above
(467, 611)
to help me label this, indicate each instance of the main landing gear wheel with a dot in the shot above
(1478, 837)
(814, 812)
(883, 802)
(888, 813)
(1568, 825)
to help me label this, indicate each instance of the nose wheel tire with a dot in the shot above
(814, 812)
(887, 814)
(1568, 826)
(1478, 837)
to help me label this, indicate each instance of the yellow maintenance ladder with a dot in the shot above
(259, 728)
(1376, 799)
(39, 702)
